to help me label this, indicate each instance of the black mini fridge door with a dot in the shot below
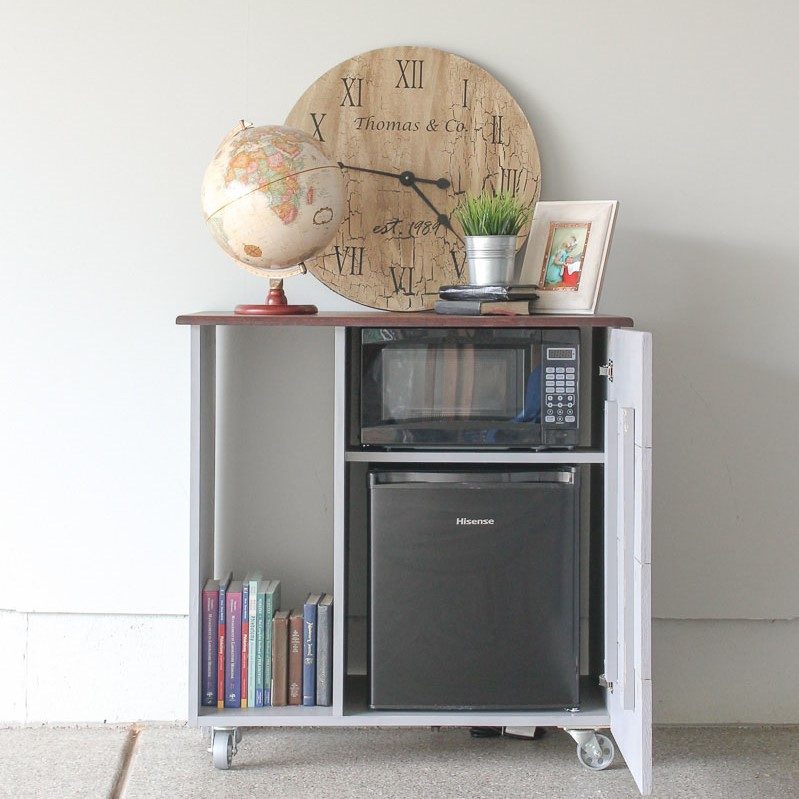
(474, 589)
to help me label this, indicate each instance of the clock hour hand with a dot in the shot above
(407, 178)
(442, 219)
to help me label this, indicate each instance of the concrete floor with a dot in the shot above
(171, 761)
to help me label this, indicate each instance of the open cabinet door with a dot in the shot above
(628, 590)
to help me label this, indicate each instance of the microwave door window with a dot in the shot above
(454, 383)
(419, 383)
(497, 375)
(408, 383)
(448, 404)
(430, 383)
(431, 365)
(467, 378)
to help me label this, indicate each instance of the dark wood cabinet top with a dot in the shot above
(414, 319)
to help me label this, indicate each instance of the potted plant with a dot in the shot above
(491, 223)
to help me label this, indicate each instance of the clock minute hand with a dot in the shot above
(371, 171)
(406, 178)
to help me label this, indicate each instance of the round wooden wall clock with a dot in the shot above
(413, 129)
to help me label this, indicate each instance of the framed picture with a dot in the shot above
(566, 254)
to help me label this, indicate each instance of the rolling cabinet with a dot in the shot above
(616, 693)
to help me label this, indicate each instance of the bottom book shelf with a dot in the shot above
(357, 713)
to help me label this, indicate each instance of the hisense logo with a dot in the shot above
(464, 520)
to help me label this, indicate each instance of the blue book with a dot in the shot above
(309, 649)
(233, 645)
(324, 651)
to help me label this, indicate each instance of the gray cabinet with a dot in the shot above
(619, 699)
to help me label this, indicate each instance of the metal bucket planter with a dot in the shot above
(492, 259)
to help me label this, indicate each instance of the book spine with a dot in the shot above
(280, 652)
(272, 607)
(324, 655)
(252, 620)
(245, 643)
(220, 654)
(210, 633)
(233, 649)
(260, 646)
(309, 654)
(295, 660)
(458, 307)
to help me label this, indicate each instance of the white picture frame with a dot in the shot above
(566, 253)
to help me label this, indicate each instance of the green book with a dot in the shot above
(271, 606)
(255, 633)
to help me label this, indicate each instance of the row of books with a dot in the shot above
(256, 655)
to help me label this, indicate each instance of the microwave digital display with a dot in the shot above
(564, 354)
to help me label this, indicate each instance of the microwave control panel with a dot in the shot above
(561, 392)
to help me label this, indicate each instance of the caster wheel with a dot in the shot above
(222, 750)
(596, 753)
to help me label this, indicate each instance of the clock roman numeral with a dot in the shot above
(458, 261)
(402, 280)
(410, 73)
(352, 92)
(465, 85)
(510, 180)
(496, 129)
(352, 256)
(317, 126)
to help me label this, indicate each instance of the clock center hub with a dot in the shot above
(407, 178)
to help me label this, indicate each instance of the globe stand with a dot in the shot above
(276, 304)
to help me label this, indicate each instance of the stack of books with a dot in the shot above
(500, 299)
(256, 655)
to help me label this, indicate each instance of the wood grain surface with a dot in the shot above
(422, 319)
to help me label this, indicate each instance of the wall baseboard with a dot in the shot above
(78, 668)
(64, 667)
(725, 671)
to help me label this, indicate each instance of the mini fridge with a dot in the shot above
(474, 588)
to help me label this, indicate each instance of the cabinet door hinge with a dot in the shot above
(604, 683)
(607, 370)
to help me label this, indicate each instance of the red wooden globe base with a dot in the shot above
(276, 304)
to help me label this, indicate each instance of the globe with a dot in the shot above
(271, 199)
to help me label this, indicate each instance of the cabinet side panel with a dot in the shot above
(203, 437)
(339, 520)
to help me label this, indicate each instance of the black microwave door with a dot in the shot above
(474, 615)
(479, 389)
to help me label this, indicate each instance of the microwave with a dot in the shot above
(465, 388)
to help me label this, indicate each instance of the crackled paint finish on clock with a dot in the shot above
(414, 130)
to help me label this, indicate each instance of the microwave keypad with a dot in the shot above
(560, 395)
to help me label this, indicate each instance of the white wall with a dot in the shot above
(684, 111)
